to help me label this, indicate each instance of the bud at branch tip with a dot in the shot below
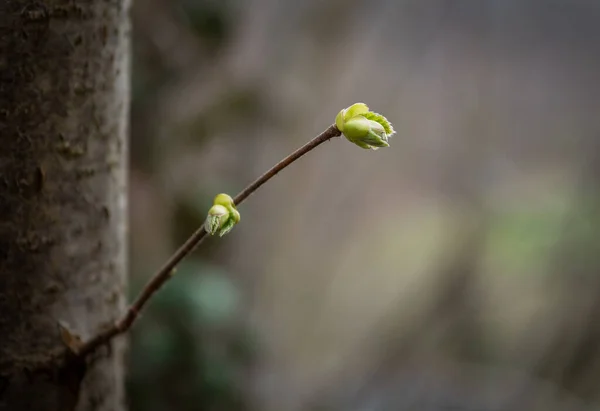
(366, 129)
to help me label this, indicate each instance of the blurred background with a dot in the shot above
(456, 270)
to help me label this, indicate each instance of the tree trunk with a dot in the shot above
(64, 97)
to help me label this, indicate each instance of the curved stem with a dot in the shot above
(167, 270)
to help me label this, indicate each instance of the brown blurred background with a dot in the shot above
(456, 270)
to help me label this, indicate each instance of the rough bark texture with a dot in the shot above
(63, 125)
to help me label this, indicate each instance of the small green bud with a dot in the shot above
(222, 216)
(217, 216)
(224, 200)
(364, 128)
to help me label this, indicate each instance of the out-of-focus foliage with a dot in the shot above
(209, 19)
(190, 352)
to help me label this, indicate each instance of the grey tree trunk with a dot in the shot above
(64, 69)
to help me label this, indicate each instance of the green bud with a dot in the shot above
(217, 216)
(224, 200)
(222, 216)
(364, 128)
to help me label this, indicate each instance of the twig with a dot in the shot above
(165, 273)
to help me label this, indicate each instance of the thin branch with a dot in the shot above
(167, 270)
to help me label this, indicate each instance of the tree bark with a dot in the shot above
(64, 97)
